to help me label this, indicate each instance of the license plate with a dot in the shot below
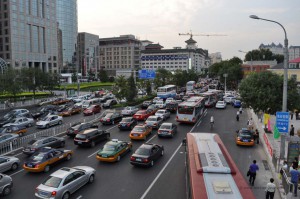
(104, 156)
(135, 134)
(245, 140)
(43, 193)
(185, 119)
(123, 124)
(165, 132)
(79, 142)
(138, 159)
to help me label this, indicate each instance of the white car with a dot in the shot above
(221, 104)
(163, 113)
(168, 100)
(160, 104)
(21, 121)
(129, 110)
(156, 99)
(154, 121)
(229, 98)
(49, 120)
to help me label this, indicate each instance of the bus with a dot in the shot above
(211, 98)
(190, 110)
(211, 172)
(190, 85)
(166, 91)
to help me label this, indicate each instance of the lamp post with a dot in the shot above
(285, 78)
(251, 66)
(225, 75)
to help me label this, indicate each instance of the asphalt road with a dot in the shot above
(165, 180)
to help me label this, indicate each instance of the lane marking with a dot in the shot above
(151, 138)
(154, 181)
(200, 120)
(93, 153)
(16, 172)
(18, 154)
(111, 127)
(79, 197)
(199, 123)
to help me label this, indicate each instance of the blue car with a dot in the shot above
(237, 104)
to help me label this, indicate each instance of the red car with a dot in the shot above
(143, 114)
(92, 110)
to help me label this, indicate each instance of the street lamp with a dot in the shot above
(251, 67)
(225, 75)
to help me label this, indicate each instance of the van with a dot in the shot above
(88, 103)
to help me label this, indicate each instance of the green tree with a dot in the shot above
(13, 81)
(163, 77)
(120, 88)
(103, 76)
(74, 77)
(263, 54)
(131, 89)
(148, 87)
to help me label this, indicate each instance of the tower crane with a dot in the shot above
(205, 35)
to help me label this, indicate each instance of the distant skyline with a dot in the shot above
(160, 21)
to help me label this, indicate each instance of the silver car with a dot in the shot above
(49, 120)
(65, 181)
(5, 184)
(21, 121)
(165, 114)
(9, 137)
(154, 121)
(129, 110)
(8, 163)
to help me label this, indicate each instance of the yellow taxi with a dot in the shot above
(114, 150)
(245, 137)
(140, 132)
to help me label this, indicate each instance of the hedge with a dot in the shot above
(85, 85)
(28, 95)
(135, 102)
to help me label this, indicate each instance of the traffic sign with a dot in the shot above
(282, 122)
(146, 74)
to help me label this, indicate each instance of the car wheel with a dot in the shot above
(14, 166)
(66, 195)
(62, 144)
(91, 179)
(47, 168)
(118, 158)
(47, 126)
(69, 156)
(162, 152)
(152, 163)
(60, 122)
(6, 191)
(92, 144)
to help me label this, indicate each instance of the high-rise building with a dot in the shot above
(28, 34)
(215, 57)
(66, 12)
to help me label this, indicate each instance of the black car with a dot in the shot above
(172, 106)
(78, 128)
(127, 123)
(109, 103)
(111, 118)
(45, 141)
(147, 154)
(146, 104)
(43, 111)
(91, 137)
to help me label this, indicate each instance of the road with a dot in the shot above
(165, 180)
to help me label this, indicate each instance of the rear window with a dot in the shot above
(52, 181)
(126, 119)
(142, 151)
(139, 129)
(81, 136)
(165, 126)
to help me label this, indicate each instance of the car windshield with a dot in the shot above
(139, 129)
(126, 120)
(52, 181)
(46, 119)
(164, 126)
(152, 119)
(108, 147)
(38, 157)
(160, 112)
(142, 151)
(108, 115)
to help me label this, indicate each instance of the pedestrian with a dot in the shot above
(270, 189)
(256, 133)
(237, 116)
(241, 110)
(253, 169)
(292, 115)
(295, 163)
(295, 179)
(250, 124)
(292, 131)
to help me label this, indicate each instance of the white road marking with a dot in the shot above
(17, 172)
(93, 154)
(112, 127)
(151, 139)
(154, 181)
(199, 123)
(18, 154)
(79, 197)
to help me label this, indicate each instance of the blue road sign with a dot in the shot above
(146, 74)
(282, 122)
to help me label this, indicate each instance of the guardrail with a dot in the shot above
(12, 105)
(287, 185)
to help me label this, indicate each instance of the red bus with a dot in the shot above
(211, 98)
(191, 110)
(211, 172)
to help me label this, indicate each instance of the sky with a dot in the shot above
(160, 21)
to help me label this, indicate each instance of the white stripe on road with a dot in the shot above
(79, 197)
(16, 172)
(154, 181)
(151, 139)
(199, 123)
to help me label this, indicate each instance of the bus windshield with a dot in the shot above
(161, 90)
(185, 110)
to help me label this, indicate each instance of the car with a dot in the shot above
(43, 159)
(44, 102)
(111, 118)
(49, 121)
(72, 97)
(43, 111)
(90, 102)
(65, 181)
(127, 123)
(124, 100)
(41, 142)
(62, 108)
(229, 98)
(71, 111)
(221, 104)
(109, 103)
(113, 151)
(184, 98)
(129, 110)
(152, 108)
(245, 137)
(20, 130)
(168, 100)
(79, 104)
(163, 113)
(78, 128)
(93, 109)
(21, 122)
(160, 104)
(6, 184)
(237, 104)
(9, 137)
(156, 99)
(167, 130)
(140, 132)
(172, 106)
(17, 113)
(154, 121)
(8, 163)
(91, 137)
(60, 101)
(78, 99)
(4, 121)
(147, 154)
(145, 104)
(143, 114)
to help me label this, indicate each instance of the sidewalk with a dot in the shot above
(272, 147)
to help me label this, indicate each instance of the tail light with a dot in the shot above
(159, 131)
(108, 120)
(53, 193)
(176, 117)
(128, 124)
(36, 190)
(101, 120)
(132, 158)
(252, 140)
(36, 166)
(146, 160)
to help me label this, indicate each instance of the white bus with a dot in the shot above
(190, 85)
(191, 110)
(166, 91)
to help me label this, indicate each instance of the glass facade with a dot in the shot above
(67, 23)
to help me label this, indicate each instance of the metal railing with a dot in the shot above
(287, 185)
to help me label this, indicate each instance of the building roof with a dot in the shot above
(297, 60)
(198, 50)
(154, 47)
(190, 41)
(277, 66)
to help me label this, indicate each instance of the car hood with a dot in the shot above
(42, 122)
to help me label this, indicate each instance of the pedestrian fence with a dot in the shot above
(19, 104)
(287, 185)
(20, 142)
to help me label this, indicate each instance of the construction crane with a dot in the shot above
(205, 35)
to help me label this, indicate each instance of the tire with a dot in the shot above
(62, 144)
(47, 168)
(91, 179)
(162, 153)
(69, 156)
(118, 158)
(60, 122)
(6, 191)
(66, 195)
(14, 166)
(152, 163)
(92, 144)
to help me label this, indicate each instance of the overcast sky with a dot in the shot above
(160, 21)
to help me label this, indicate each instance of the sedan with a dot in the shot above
(140, 132)
(245, 137)
(9, 138)
(237, 104)
(221, 105)
(160, 104)
(147, 154)
(8, 163)
(168, 100)
(111, 118)
(78, 128)
(167, 130)
(20, 130)
(44, 111)
(154, 121)
(6, 184)
(114, 150)
(21, 121)
(48, 121)
(165, 114)
(129, 110)
(65, 181)
(38, 143)
(71, 111)
(143, 114)
(109, 103)
(92, 110)
(127, 123)
(60, 101)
